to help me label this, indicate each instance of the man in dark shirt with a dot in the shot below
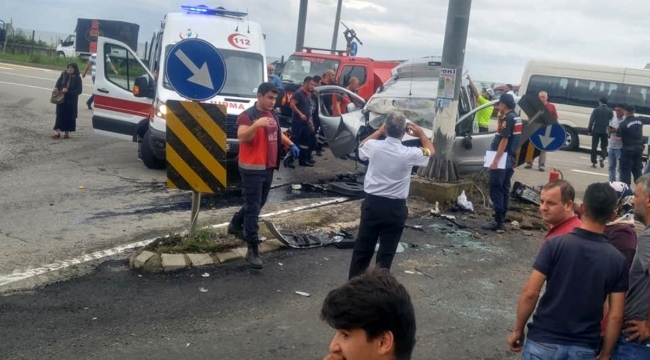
(329, 78)
(597, 129)
(630, 133)
(634, 342)
(581, 270)
(505, 144)
(300, 120)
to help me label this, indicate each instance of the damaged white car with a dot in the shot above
(416, 98)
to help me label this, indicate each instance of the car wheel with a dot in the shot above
(572, 143)
(60, 54)
(148, 158)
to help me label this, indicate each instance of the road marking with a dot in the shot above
(6, 68)
(25, 67)
(18, 275)
(32, 86)
(27, 76)
(590, 173)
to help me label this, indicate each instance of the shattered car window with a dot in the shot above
(418, 110)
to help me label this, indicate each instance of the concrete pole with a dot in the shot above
(336, 26)
(302, 23)
(442, 166)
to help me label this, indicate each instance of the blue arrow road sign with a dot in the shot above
(549, 138)
(195, 69)
(353, 48)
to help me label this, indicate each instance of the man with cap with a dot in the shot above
(484, 115)
(630, 133)
(504, 144)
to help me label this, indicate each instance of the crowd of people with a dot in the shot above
(595, 270)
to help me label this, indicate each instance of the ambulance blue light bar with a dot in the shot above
(220, 11)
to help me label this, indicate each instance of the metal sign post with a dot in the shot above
(196, 132)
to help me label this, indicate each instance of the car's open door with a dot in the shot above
(468, 160)
(121, 100)
(340, 131)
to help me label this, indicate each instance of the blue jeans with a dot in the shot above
(630, 350)
(538, 351)
(614, 163)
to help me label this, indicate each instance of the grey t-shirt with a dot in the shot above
(637, 301)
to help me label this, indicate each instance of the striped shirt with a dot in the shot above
(93, 60)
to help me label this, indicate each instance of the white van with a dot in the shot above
(140, 116)
(576, 88)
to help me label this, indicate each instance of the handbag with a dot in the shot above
(57, 97)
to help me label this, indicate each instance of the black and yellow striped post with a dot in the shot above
(196, 150)
(526, 153)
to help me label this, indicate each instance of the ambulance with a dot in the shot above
(131, 103)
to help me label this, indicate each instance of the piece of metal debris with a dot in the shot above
(425, 274)
(203, 290)
(303, 294)
(409, 272)
(416, 227)
(205, 275)
(301, 241)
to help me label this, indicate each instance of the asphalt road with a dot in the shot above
(465, 301)
(463, 312)
(47, 217)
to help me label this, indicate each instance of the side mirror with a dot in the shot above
(143, 87)
(351, 107)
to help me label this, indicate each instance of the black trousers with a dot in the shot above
(256, 185)
(483, 129)
(603, 140)
(381, 218)
(631, 165)
(301, 136)
(92, 97)
(500, 192)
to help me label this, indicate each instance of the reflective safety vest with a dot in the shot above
(253, 154)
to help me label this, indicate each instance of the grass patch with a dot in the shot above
(37, 58)
(206, 240)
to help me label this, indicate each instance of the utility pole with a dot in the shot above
(302, 23)
(336, 26)
(442, 166)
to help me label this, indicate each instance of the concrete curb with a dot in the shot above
(153, 263)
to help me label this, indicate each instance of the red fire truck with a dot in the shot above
(372, 74)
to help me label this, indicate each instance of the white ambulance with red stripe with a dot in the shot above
(131, 104)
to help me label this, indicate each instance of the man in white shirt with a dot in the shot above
(386, 184)
(511, 92)
(92, 66)
(614, 151)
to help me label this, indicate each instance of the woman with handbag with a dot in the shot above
(66, 96)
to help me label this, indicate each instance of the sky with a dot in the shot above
(503, 35)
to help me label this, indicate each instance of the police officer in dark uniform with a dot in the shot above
(630, 133)
(300, 120)
(505, 144)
